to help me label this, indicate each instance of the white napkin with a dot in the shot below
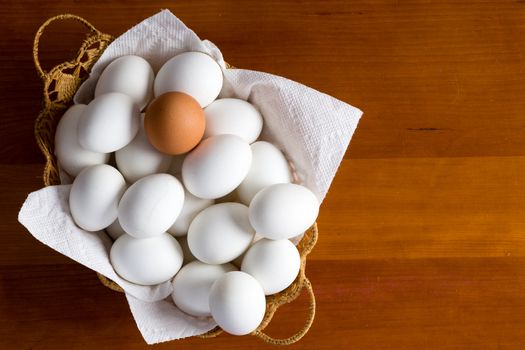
(312, 128)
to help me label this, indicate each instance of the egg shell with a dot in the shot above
(220, 233)
(72, 157)
(192, 284)
(188, 256)
(237, 303)
(233, 116)
(129, 75)
(194, 73)
(108, 123)
(151, 205)
(216, 166)
(268, 167)
(147, 261)
(174, 123)
(139, 158)
(283, 211)
(115, 230)
(95, 195)
(191, 207)
(274, 264)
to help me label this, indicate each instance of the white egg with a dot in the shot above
(71, 156)
(95, 195)
(151, 205)
(115, 230)
(233, 116)
(216, 166)
(274, 264)
(139, 158)
(147, 261)
(269, 167)
(237, 303)
(108, 123)
(194, 73)
(129, 75)
(192, 206)
(283, 211)
(192, 284)
(220, 233)
(188, 256)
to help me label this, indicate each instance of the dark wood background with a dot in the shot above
(422, 236)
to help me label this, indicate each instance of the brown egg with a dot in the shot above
(174, 123)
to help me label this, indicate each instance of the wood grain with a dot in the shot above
(421, 235)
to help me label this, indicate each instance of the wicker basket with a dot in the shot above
(60, 85)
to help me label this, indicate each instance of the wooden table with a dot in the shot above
(422, 242)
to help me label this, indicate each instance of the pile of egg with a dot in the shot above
(192, 197)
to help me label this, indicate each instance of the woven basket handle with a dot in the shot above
(40, 31)
(299, 334)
